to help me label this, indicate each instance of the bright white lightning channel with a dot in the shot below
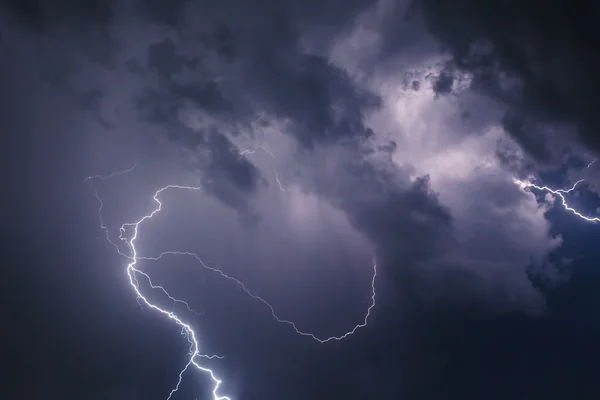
(560, 193)
(133, 273)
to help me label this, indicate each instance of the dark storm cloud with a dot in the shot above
(224, 172)
(251, 66)
(389, 214)
(443, 82)
(203, 75)
(527, 136)
(408, 227)
(430, 256)
(90, 100)
(166, 12)
(159, 108)
(162, 57)
(230, 177)
(510, 157)
(70, 73)
(246, 61)
(163, 107)
(204, 95)
(321, 99)
(278, 75)
(40, 14)
(322, 106)
(67, 30)
(539, 59)
(402, 218)
(166, 61)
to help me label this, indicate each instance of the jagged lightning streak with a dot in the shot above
(266, 303)
(591, 163)
(133, 272)
(269, 152)
(560, 193)
(263, 148)
(105, 177)
(278, 181)
(109, 240)
(187, 330)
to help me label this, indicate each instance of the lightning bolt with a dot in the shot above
(591, 163)
(263, 148)
(105, 177)
(561, 193)
(269, 152)
(134, 273)
(266, 303)
(278, 181)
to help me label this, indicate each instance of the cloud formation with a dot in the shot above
(386, 129)
(411, 154)
(542, 70)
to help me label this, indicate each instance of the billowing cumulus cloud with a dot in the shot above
(409, 153)
(541, 70)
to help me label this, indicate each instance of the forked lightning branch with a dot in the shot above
(129, 233)
(561, 194)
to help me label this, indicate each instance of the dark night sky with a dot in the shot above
(396, 129)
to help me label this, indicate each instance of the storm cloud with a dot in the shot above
(212, 88)
(323, 135)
